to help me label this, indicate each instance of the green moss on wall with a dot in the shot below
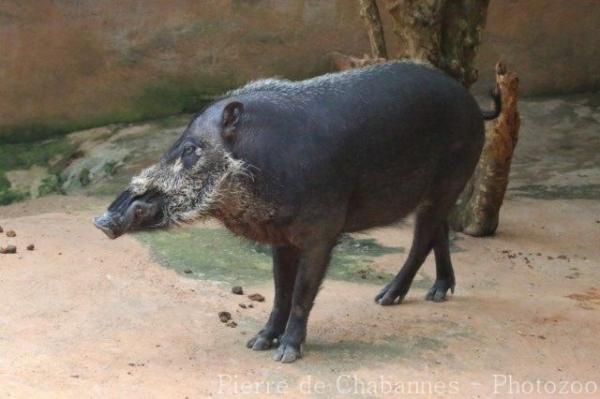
(8, 196)
(52, 154)
(164, 97)
(25, 155)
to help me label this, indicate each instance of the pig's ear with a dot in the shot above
(231, 118)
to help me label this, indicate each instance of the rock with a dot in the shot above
(188, 271)
(30, 247)
(231, 324)
(224, 316)
(256, 297)
(11, 233)
(9, 249)
(1, 229)
(243, 305)
(237, 290)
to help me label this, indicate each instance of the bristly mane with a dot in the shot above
(322, 82)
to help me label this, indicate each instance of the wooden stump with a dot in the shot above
(477, 211)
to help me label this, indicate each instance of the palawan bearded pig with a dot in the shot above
(296, 164)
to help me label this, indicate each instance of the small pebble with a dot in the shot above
(256, 297)
(9, 249)
(11, 233)
(188, 271)
(224, 317)
(30, 247)
(237, 290)
(243, 305)
(231, 324)
(1, 229)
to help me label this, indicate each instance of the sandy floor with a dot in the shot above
(82, 316)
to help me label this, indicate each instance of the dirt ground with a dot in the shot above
(83, 316)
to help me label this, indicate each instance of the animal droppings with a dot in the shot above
(9, 249)
(237, 290)
(224, 316)
(256, 297)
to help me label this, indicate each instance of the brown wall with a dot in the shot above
(552, 44)
(70, 64)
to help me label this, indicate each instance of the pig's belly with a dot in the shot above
(383, 207)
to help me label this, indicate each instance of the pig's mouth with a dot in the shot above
(131, 213)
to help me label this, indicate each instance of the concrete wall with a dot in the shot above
(68, 64)
(552, 44)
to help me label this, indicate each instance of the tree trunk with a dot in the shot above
(478, 208)
(417, 25)
(370, 14)
(444, 32)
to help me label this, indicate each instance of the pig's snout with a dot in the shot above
(107, 223)
(128, 214)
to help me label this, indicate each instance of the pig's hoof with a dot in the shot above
(390, 294)
(288, 353)
(261, 343)
(437, 293)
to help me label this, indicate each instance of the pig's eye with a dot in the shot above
(190, 155)
(139, 212)
(188, 150)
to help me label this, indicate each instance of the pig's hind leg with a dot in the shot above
(285, 267)
(430, 232)
(427, 224)
(444, 280)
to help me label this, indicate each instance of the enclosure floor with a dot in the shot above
(83, 316)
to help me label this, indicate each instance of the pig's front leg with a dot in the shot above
(285, 265)
(311, 270)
